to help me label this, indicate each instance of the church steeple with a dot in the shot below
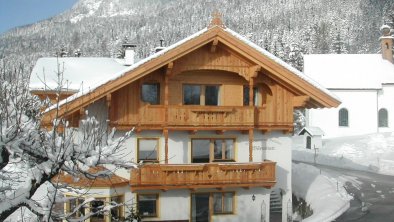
(386, 43)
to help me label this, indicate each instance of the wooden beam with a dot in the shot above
(300, 101)
(254, 71)
(220, 132)
(251, 99)
(250, 145)
(165, 132)
(214, 44)
(192, 132)
(169, 68)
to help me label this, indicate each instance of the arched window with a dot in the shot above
(308, 142)
(383, 118)
(343, 117)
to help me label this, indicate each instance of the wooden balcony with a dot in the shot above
(210, 175)
(192, 117)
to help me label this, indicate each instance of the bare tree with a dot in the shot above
(32, 156)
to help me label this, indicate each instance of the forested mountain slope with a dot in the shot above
(98, 27)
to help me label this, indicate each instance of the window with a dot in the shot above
(223, 203)
(148, 149)
(246, 95)
(73, 203)
(150, 93)
(116, 212)
(308, 142)
(201, 95)
(209, 150)
(97, 207)
(147, 204)
(383, 118)
(343, 117)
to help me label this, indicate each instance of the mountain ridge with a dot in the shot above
(98, 28)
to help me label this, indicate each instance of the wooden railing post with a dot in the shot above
(251, 145)
(165, 132)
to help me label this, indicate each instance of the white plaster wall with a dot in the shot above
(362, 107)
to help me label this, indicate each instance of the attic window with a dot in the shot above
(150, 93)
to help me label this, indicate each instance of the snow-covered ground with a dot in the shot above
(326, 196)
(372, 152)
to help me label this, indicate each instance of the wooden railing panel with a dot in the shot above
(210, 116)
(178, 176)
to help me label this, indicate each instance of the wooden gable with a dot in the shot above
(213, 49)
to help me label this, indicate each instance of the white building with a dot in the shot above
(365, 85)
(213, 115)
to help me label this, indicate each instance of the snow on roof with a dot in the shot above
(349, 71)
(78, 72)
(195, 35)
(313, 131)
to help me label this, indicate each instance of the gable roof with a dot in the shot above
(349, 71)
(313, 131)
(78, 72)
(280, 70)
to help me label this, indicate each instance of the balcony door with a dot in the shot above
(200, 207)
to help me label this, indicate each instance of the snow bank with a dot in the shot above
(320, 192)
(372, 152)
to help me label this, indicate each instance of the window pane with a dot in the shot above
(229, 155)
(228, 202)
(147, 149)
(218, 149)
(200, 151)
(343, 117)
(246, 95)
(147, 205)
(383, 118)
(151, 93)
(116, 211)
(211, 95)
(97, 205)
(191, 94)
(217, 203)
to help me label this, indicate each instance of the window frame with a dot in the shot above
(156, 204)
(97, 217)
(222, 212)
(341, 121)
(120, 208)
(202, 97)
(380, 125)
(157, 84)
(157, 149)
(78, 201)
(245, 93)
(212, 149)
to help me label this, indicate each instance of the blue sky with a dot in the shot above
(15, 13)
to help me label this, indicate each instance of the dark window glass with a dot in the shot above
(97, 209)
(191, 94)
(116, 212)
(246, 95)
(383, 118)
(223, 203)
(147, 204)
(74, 203)
(147, 149)
(211, 95)
(343, 117)
(200, 150)
(150, 93)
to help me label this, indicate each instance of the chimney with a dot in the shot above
(386, 43)
(129, 53)
(161, 47)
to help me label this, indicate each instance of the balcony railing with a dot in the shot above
(210, 175)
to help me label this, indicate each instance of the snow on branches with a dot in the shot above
(32, 156)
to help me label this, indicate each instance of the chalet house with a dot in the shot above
(213, 116)
(365, 85)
